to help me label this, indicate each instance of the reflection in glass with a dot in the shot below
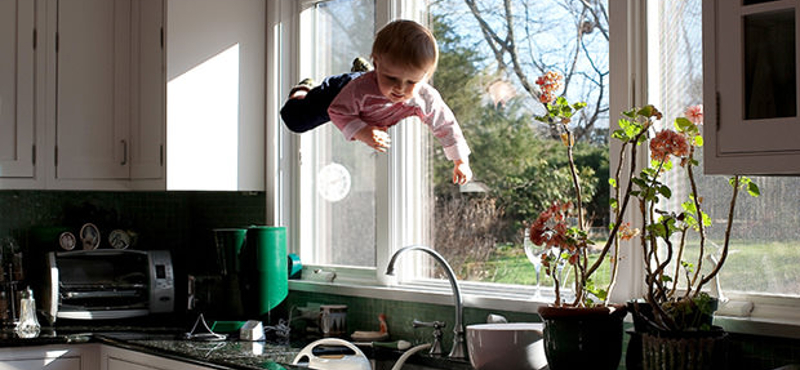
(345, 225)
(769, 65)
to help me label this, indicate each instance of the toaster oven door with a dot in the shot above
(102, 284)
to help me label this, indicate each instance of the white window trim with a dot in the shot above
(770, 315)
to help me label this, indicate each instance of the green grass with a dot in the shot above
(751, 266)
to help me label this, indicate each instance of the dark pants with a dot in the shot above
(301, 115)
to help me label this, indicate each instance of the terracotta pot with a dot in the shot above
(583, 338)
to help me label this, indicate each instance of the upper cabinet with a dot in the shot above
(107, 59)
(132, 94)
(750, 87)
(17, 128)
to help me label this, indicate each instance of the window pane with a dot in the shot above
(764, 251)
(338, 195)
(769, 65)
(519, 164)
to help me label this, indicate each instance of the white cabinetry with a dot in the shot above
(17, 68)
(113, 358)
(105, 101)
(750, 87)
(54, 357)
(83, 100)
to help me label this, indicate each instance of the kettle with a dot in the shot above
(358, 361)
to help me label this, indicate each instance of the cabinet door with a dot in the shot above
(113, 358)
(149, 90)
(16, 88)
(93, 89)
(751, 90)
(50, 357)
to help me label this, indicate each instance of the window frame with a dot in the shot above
(772, 315)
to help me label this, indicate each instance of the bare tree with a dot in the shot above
(530, 37)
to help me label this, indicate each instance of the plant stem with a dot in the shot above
(727, 236)
(700, 224)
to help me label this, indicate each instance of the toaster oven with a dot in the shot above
(108, 284)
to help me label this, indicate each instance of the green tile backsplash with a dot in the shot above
(182, 221)
(748, 352)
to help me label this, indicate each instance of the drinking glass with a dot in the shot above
(534, 254)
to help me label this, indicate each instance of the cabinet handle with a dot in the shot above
(124, 153)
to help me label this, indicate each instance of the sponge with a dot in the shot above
(369, 336)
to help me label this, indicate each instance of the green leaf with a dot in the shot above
(684, 125)
(612, 182)
(666, 278)
(698, 141)
(753, 190)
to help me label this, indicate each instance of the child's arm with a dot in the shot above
(375, 137)
(462, 174)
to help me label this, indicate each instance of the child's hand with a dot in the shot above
(462, 174)
(375, 138)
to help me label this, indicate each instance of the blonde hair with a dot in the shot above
(407, 43)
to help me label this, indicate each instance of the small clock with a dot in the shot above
(333, 182)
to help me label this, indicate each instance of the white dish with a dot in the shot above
(504, 346)
(90, 236)
(119, 239)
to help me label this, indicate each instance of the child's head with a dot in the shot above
(405, 54)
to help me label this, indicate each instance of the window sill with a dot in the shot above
(767, 319)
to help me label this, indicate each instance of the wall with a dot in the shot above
(180, 222)
(746, 351)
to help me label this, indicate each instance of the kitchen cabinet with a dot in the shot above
(104, 104)
(50, 357)
(83, 103)
(113, 358)
(17, 129)
(750, 87)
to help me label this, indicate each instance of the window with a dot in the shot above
(405, 197)
(764, 250)
(337, 193)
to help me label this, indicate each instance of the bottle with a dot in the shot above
(28, 326)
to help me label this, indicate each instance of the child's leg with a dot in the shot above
(301, 115)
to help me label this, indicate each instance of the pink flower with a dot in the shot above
(666, 143)
(695, 114)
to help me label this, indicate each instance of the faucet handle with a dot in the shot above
(436, 325)
(436, 346)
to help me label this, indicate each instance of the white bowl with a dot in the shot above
(506, 346)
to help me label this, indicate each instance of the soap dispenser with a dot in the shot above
(28, 326)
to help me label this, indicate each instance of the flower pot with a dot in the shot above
(687, 350)
(643, 318)
(583, 338)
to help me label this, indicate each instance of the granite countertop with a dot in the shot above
(229, 354)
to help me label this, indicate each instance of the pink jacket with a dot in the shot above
(360, 104)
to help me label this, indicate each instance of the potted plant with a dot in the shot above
(571, 323)
(673, 321)
(584, 330)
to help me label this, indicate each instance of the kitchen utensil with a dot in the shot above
(356, 361)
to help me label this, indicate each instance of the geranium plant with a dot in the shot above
(663, 234)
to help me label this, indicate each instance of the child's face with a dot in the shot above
(398, 83)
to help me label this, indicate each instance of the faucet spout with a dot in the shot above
(459, 349)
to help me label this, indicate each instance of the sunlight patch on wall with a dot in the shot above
(203, 116)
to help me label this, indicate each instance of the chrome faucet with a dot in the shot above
(459, 344)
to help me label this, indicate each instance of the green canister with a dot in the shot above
(265, 270)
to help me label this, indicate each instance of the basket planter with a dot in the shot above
(696, 350)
